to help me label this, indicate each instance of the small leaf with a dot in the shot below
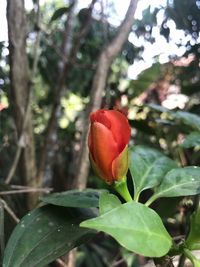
(59, 13)
(148, 167)
(87, 198)
(44, 235)
(136, 227)
(191, 140)
(108, 202)
(180, 182)
(193, 239)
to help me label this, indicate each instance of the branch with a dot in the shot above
(68, 58)
(21, 143)
(27, 190)
(99, 81)
(2, 237)
(9, 210)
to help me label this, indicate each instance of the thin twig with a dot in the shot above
(2, 240)
(61, 263)
(29, 190)
(9, 211)
(116, 263)
(181, 262)
(27, 187)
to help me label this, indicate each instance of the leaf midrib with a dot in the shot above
(129, 229)
(140, 187)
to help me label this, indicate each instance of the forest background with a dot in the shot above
(64, 59)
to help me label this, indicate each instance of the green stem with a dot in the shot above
(137, 196)
(122, 189)
(191, 257)
(151, 200)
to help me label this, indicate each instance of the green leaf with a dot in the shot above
(44, 235)
(188, 118)
(136, 227)
(193, 239)
(148, 167)
(180, 182)
(59, 13)
(191, 140)
(74, 198)
(108, 202)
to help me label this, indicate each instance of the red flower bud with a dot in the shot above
(108, 144)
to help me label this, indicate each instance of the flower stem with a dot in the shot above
(191, 257)
(122, 189)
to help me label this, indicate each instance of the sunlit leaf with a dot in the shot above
(108, 202)
(136, 227)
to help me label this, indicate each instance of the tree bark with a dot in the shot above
(106, 58)
(20, 91)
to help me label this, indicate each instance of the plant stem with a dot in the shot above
(191, 257)
(122, 189)
(151, 200)
(137, 196)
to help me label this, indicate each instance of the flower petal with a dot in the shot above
(104, 148)
(120, 127)
(100, 116)
(98, 171)
(120, 165)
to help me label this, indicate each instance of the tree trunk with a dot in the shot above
(106, 58)
(20, 90)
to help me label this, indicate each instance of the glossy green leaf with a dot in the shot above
(74, 198)
(148, 167)
(136, 227)
(44, 235)
(180, 182)
(108, 202)
(191, 140)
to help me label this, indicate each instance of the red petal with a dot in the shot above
(120, 127)
(100, 116)
(104, 148)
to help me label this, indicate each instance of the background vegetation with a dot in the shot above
(51, 78)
